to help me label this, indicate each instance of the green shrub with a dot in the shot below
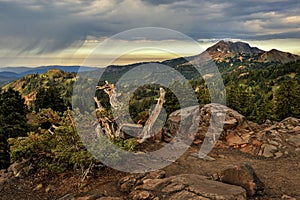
(57, 152)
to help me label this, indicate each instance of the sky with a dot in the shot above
(65, 32)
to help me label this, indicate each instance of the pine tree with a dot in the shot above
(13, 122)
(263, 110)
(50, 98)
(287, 99)
(4, 148)
(239, 99)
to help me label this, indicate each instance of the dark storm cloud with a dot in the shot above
(50, 25)
(45, 28)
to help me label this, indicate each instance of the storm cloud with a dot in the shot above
(47, 25)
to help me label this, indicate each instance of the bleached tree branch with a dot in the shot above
(146, 132)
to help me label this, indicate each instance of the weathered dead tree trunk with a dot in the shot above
(104, 121)
(146, 132)
(109, 89)
(108, 125)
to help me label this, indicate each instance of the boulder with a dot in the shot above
(233, 121)
(268, 150)
(185, 119)
(243, 175)
(184, 186)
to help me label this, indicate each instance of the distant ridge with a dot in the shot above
(8, 74)
(275, 55)
(23, 71)
(16, 70)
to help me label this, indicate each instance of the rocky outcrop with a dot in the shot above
(280, 139)
(243, 175)
(267, 140)
(235, 128)
(185, 186)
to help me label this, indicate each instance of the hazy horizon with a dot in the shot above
(75, 55)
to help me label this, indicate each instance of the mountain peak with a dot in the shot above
(224, 49)
(229, 47)
(227, 51)
(275, 55)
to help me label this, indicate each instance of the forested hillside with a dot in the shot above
(54, 85)
(271, 92)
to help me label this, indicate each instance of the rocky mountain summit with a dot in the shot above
(228, 48)
(228, 51)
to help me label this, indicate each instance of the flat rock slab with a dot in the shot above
(191, 186)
